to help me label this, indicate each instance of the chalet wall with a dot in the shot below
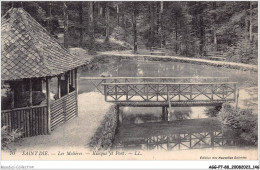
(32, 121)
(63, 109)
(104, 135)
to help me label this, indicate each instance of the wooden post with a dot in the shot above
(105, 92)
(126, 92)
(167, 88)
(30, 92)
(147, 92)
(191, 92)
(166, 114)
(116, 91)
(48, 104)
(163, 112)
(12, 97)
(67, 82)
(72, 78)
(235, 92)
(59, 91)
(237, 95)
(212, 93)
(179, 92)
(76, 89)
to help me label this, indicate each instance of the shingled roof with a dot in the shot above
(28, 50)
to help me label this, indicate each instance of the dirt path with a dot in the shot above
(186, 59)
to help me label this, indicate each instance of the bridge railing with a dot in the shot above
(97, 81)
(170, 92)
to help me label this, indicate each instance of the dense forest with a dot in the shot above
(192, 29)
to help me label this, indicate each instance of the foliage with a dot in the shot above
(239, 124)
(213, 111)
(243, 51)
(178, 114)
(8, 137)
(193, 29)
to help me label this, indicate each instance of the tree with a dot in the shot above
(81, 23)
(161, 25)
(134, 26)
(152, 23)
(107, 22)
(66, 25)
(91, 27)
(191, 29)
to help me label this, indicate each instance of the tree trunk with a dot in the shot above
(151, 24)
(123, 23)
(107, 22)
(176, 35)
(215, 39)
(91, 28)
(201, 24)
(81, 24)
(214, 6)
(117, 14)
(250, 22)
(134, 27)
(246, 27)
(50, 18)
(161, 24)
(66, 25)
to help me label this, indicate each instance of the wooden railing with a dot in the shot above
(170, 92)
(32, 121)
(63, 109)
(97, 81)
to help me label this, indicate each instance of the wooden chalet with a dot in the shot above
(39, 77)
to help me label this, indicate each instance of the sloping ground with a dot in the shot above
(111, 45)
(248, 99)
(75, 133)
(184, 59)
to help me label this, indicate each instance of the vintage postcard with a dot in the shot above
(129, 80)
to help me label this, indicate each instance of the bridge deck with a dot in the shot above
(166, 104)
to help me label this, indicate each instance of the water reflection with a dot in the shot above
(187, 128)
(178, 141)
(139, 115)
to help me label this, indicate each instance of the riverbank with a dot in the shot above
(225, 64)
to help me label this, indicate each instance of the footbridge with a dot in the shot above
(165, 91)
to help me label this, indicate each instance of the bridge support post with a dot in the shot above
(164, 113)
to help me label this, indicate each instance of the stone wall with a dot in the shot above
(104, 135)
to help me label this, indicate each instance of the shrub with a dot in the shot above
(8, 137)
(239, 124)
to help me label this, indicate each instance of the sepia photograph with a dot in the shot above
(129, 80)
